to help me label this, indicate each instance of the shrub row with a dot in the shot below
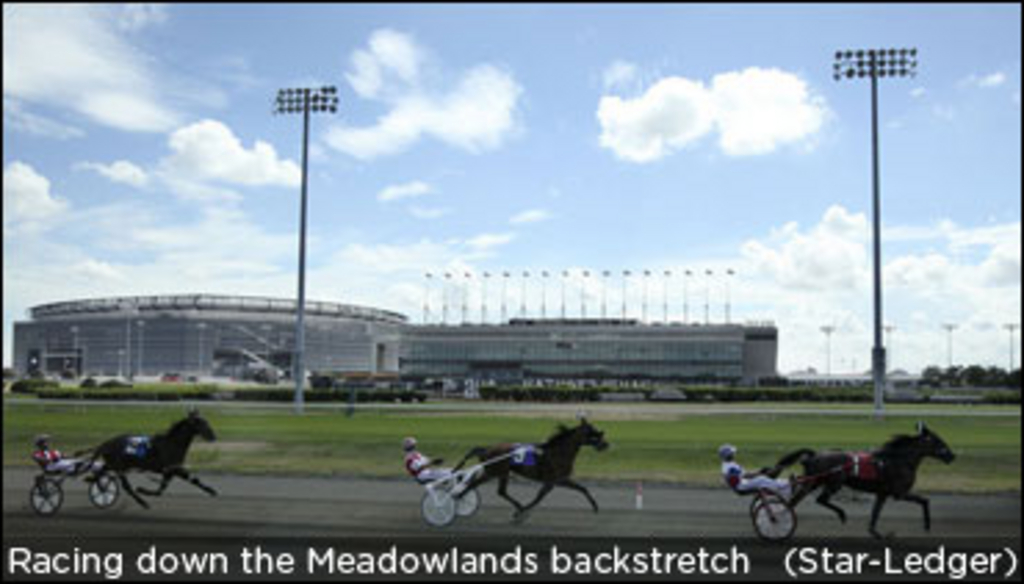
(287, 395)
(693, 394)
(127, 394)
(210, 392)
(33, 385)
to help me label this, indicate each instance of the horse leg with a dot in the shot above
(825, 500)
(571, 484)
(503, 493)
(186, 475)
(160, 490)
(925, 507)
(875, 512)
(543, 492)
(131, 491)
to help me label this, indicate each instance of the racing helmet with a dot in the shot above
(726, 451)
(42, 440)
(408, 444)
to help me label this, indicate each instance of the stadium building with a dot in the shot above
(202, 335)
(233, 336)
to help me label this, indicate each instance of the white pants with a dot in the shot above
(70, 465)
(429, 475)
(778, 486)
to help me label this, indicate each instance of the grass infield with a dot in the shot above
(674, 446)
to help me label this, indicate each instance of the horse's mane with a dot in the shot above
(897, 443)
(172, 430)
(561, 433)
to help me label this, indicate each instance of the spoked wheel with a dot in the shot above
(438, 507)
(774, 519)
(104, 490)
(46, 497)
(467, 504)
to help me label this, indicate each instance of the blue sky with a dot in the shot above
(140, 157)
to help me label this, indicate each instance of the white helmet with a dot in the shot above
(726, 451)
(409, 443)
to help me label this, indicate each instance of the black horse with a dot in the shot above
(163, 454)
(887, 472)
(550, 463)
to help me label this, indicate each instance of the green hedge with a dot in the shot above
(693, 394)
(33, 385)
(287, 395)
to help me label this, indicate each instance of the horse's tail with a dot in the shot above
(796, 457)
(479, 452)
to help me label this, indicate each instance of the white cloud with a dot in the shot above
(389, 53)
(1002, 266)
(73, 57)
(404, 191)
(755, 111)
(759, 110)
(926, 272)
(96, 269)
(428, 212)
(918, 92)
(120, 171)
(530, 216)
(830, 256)
(209, 150)
(28, 202)
(487, 241)
(670, 115)
(137, 16)
(619, 75)
(990, 81)
(476, 115)
(23, 121)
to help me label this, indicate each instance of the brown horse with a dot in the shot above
(890, 471)
(550, 464)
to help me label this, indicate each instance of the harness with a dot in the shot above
(863, 466)
(524, 455)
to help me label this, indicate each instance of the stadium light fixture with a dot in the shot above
(876, 64)
(707, 296)
(1012, 329)
(664, 296)
(950, 327)
(889, 330)
(828, 330)
(303, 100)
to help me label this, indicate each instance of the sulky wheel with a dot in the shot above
(774, 519)
(438, 507)
(467, 504)
(46, 497)
(104, 490)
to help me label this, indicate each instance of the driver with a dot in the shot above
(51, 459)
(746, 482)
(419, 466)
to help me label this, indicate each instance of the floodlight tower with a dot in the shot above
(828, 330)
(1012, 329)
(876, 64)
(950, 327)
(304, 100)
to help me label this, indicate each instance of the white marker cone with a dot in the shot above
(639, 495)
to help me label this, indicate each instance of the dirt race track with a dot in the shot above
(269, 507)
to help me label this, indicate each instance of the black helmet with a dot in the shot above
(42, 440)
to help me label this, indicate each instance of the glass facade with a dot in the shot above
(585, 350)
(201, 335)
(227, 336)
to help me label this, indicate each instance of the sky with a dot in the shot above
(141, 156)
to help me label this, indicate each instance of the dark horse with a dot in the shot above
(552, 464)
(163, 454)
(887, 472)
